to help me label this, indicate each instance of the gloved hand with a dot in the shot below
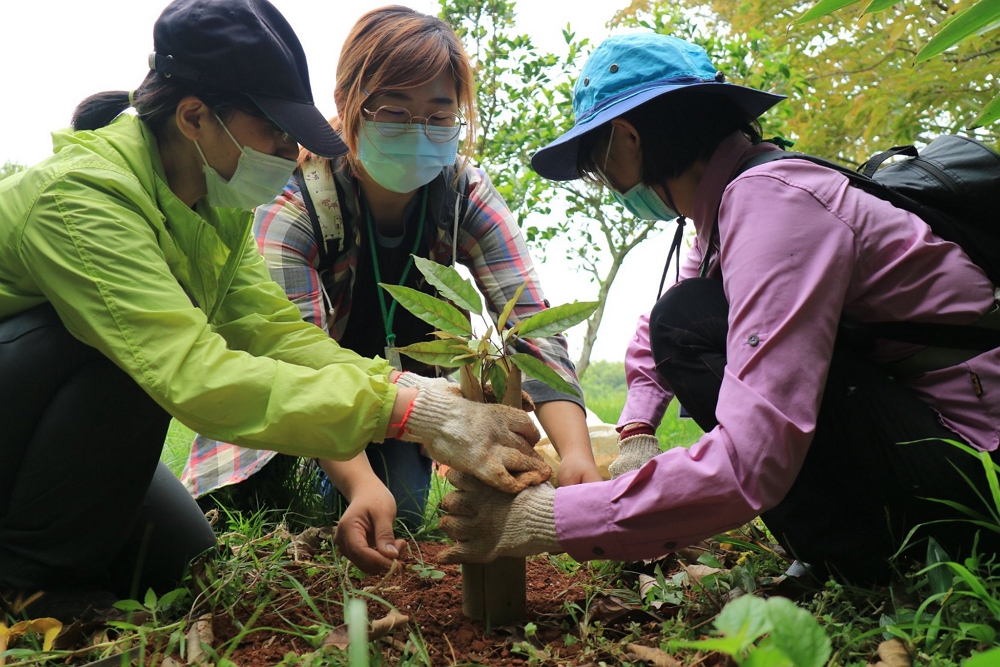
(633, 452)
(493, 442)
(488, 524)
(410, 379)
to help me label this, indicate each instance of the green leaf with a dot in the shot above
(556, 320)
(879, 5)
(438, 353)
(435, 312)
(710, 561)
(451, 284)
(150, 600)
(509, 308)
(730, 645)
(989, 114)
(541, 372)
(824, 7)
(498, 378)
(768, 655)
(937, 573)
(797, 634)
(966, 24)
(986, 659)
(744, 619)
(129, 605)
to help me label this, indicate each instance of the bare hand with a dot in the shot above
(577, 470)
(364, 534)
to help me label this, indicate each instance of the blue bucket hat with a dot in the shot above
(628, 70)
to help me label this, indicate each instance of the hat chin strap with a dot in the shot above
(675, 245)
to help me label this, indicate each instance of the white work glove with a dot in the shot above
(487, 524)
(410, 379)
(493, 442)
(633, 452)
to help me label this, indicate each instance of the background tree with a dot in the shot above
(9, 168)
(525, 101)
(852, 92)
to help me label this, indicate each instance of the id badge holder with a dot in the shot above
(392, 356)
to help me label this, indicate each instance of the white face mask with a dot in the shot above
(258, 178)
(407, 161)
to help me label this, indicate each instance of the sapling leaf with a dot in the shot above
(451, 284)
(498, 378)
(730, 645)
(150, 600)
(437, 352)
(556, 320)
(797, 634)
(435, 312)
(541, 372)
(509, 308)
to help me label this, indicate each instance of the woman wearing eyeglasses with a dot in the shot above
(405, 100)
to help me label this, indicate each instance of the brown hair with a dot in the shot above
(396, 48)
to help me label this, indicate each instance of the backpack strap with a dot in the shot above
(322, 200)
(967, 340)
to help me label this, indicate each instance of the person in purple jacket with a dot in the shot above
(801, 428)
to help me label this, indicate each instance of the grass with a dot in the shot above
(942, 611)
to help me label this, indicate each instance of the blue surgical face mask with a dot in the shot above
(407, 161)
(643, 202)
(640, 200)
(258, 178)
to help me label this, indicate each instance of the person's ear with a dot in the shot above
(193, 117)
(627, 138)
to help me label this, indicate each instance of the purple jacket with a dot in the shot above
(796, 248)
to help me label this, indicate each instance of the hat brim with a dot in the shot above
(304, 123)
(558, 160)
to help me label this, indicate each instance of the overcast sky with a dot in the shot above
(55, 53)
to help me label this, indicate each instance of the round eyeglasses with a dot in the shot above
(440, 127)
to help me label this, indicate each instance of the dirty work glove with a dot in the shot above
(488, 524)
(633, 452)
(493, 442)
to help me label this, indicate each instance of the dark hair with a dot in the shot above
(676, 131)
(155, 101)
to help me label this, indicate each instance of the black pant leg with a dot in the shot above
(80, 444)
(859, 492)
(170, 532)
(687, 331)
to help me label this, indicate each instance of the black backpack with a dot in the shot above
(954, 186)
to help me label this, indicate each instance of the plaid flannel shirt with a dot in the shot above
(489, 244)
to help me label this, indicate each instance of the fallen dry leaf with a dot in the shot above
(339, 638)
(892, 653)
(199, 633)
(169, 662)
(49, 627)
(699, 572)
(309, 541)
(654, 656)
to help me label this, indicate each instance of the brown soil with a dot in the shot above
(434, 607)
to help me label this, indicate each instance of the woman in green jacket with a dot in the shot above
(131, 290)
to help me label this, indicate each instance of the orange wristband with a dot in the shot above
(402, 424)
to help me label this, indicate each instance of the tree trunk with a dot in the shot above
(594, 323)
(495, 592)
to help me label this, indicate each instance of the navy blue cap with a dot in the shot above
(628, 70)
(244, 46)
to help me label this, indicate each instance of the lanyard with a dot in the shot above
(388, 313)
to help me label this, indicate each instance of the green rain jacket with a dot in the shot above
(180, 299)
